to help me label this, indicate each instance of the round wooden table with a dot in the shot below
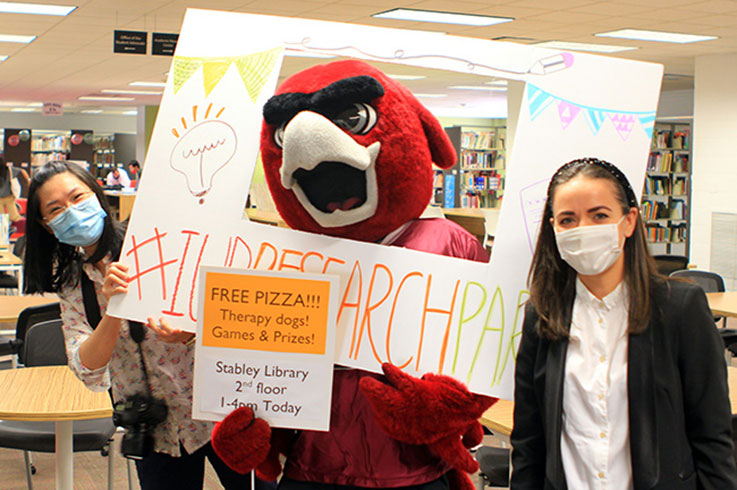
(52, 393)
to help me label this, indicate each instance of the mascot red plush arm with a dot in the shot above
(348, 152)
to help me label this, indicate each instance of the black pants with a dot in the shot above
(163, 472)
(289, 484)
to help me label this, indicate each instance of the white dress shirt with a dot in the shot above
(122, 178)
(595, 436)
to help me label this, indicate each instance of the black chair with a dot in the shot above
(44, 346)
(29, 316)
(493, 465)
(669, 263)
(7, 280)
(711, 282)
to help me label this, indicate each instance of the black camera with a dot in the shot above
(138, 415)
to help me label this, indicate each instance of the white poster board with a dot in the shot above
(419, 311)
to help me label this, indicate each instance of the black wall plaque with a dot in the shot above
(131, 42)
(163, 44)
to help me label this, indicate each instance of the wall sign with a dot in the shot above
(130, 42)
(53, 109)
(163, 44)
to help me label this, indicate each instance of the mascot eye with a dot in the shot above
(358, 119)
(279, 136)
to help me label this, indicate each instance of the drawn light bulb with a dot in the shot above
(202, 152)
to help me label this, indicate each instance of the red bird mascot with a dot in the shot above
(348, 152)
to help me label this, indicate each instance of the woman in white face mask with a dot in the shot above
(72, 246)
(620, 379)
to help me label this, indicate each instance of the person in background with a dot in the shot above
(7, 199)
(135, 172)
(118, 176)
(72, 238)
(620, 380)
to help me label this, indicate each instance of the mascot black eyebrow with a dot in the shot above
(348, 152)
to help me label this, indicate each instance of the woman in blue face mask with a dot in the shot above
(620, 380)
(72, 240)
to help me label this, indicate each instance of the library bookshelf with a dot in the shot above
(666, 196)
(477, 180)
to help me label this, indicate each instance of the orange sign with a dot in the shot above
(262, 312)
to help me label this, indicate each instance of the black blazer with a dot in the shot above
(680, 418)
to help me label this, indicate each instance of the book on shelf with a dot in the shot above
(658, 185)
(678, 233)
(652, 210)
(42, 158)
(479, 160)
(103, 143)
(657, 232)
(680, 162)
(484, 140)
(660, 162)
(679, 141)
(50, 143)
(662, 138)
(489, 182)
(680, 185)
(678, 209)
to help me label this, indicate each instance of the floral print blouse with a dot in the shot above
(169, 365)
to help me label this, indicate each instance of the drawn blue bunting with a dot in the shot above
(538, 100)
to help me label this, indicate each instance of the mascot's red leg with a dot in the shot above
(473, 436)
(241, 440)
(452, 451)
(458, 480)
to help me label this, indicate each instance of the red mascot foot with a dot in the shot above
(434, 410)
(242, 442)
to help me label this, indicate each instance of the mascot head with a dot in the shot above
(348, 152)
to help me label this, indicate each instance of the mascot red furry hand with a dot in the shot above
(348, 152)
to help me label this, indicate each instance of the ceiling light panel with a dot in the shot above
(406, 77)
(442, 17)
(148, 84)
(35, 8)
(131, 92)
(593, 48)
(657, 36)
(111, 99)
(12, 38)
(488, 88)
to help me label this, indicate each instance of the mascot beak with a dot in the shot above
(332, 175)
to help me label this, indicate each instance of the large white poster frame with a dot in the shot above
(419, 311)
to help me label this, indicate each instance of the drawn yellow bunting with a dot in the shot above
(254, 70)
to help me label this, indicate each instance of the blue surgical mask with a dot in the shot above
(81, 224)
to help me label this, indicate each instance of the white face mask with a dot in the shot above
(590, 250)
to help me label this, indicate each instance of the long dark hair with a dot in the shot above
(49, 265)
(553, 282)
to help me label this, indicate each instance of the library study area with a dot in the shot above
(84, 82)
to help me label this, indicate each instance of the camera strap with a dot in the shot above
(92, 311)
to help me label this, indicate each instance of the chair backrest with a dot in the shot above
(710, 282)
(669, 263)
(29, 317)
(19, 247)
(44, 345)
